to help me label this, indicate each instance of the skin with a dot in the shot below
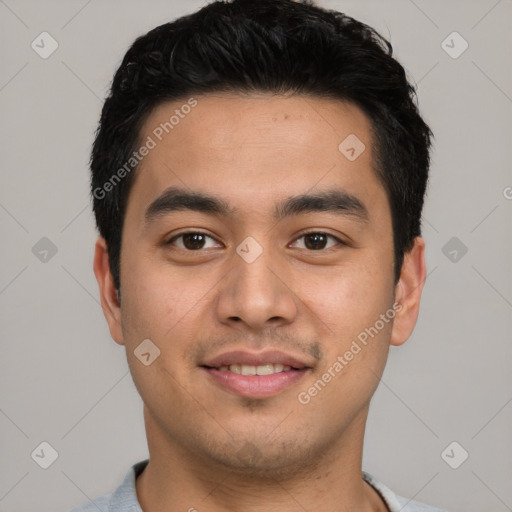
(253, 151)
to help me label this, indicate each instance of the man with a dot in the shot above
(258, 179)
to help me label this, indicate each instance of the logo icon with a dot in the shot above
(249, 250)
(454, 45)
(147, 352)
(44, 455)
(44, 250)
(44, 45)
(454, 455)
(454, 249)
(351, 147)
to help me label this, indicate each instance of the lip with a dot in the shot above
(255, 386)
(255, 359)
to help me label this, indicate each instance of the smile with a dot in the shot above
(260, 381)
(264, 369)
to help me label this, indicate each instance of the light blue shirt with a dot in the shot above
(124, 498)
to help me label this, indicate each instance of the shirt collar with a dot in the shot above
(124, 498)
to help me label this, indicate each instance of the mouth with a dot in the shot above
(246, 369)
(255, 375)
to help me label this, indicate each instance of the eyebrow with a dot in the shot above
(334, 201)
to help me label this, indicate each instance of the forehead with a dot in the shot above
(251, 149)
(241, 122)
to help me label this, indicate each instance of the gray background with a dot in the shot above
(64, 381)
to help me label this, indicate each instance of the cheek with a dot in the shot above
(163, 303)
(349, 297)
(158, 307)
(150, 299)
(356, 344)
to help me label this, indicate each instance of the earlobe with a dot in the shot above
(108, 292)
(408, 292)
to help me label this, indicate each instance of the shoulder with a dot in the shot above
(394, 502)
(122, 499)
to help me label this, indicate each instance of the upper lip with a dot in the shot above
(255, 359)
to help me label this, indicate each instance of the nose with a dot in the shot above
(257, 293)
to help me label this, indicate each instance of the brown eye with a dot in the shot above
(316, 241)
(191, 241)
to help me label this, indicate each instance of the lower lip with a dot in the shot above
(255, 386)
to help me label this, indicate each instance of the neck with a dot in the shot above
(176, 479)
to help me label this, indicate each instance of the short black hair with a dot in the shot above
(276, 46)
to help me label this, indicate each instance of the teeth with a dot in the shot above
(264, 369)
(248, 370)
(267, 369)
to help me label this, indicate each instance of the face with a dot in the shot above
(283, 255)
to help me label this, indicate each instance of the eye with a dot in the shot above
(197, 240)
(191, 241)
(317, 241)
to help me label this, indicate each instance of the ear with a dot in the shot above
(408, 292)
(108, 292)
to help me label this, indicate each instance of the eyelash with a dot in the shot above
(340, 242)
